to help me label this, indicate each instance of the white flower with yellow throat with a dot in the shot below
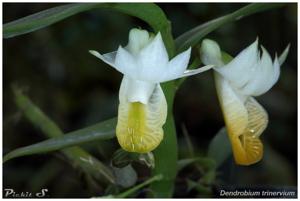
(145, 64)
(247, 75)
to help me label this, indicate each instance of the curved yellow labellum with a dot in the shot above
(245, 121)
(139, 127)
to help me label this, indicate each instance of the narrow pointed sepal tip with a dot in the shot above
(205, 68)
(188, 51)
(94, 52)
(197, 71)
(284, 54)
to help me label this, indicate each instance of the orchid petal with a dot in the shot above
(152, 60)
(176, 66)
(248, 148)
(237, 71)
(139, 127)
(138, 91)
(125, 63)
(284, 54)
(245, 121)
(261, 76)
(232, 104)
(108, 58)
(276, 70)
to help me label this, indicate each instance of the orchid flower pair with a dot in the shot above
(142, 112)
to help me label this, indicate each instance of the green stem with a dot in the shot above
(138, 187)
(166, 155)
(77, 156)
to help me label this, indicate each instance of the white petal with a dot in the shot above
(125, 63)
(135, 90)
(139, 91)
(152, 59)
(108, 58)
(139, 127)
(267, 76)
(237, 71)
(121, 60)
(176, 67)
(262, 76)
(276, 70)
(123, 90)
(283, 55)
(232, 104)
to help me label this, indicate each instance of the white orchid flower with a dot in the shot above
(142, 111)
(248, 74)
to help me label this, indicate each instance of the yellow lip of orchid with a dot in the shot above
(142, 112)
(247, 75)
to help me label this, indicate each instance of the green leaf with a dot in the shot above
(147, 12)
(138, 187)
(193, 36)
(90, 165)
(166, 159)
(219, 148)
(100, 131)
(43, 19)
(77, 156)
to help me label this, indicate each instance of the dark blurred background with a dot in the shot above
(76, 89)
